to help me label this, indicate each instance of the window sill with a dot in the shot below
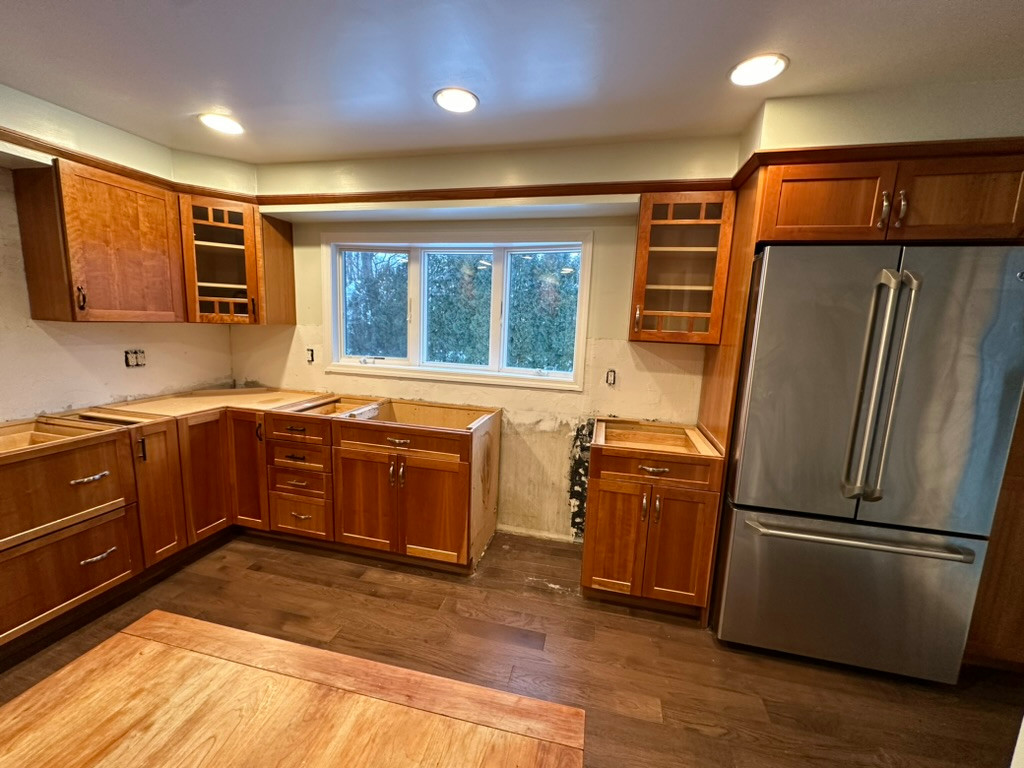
(457, 377)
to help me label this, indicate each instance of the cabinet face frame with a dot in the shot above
(638, 309)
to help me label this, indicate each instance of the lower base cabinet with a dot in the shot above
(301, 515)
(203, 442)
(158, 484)
(364, 504)
(247, 469)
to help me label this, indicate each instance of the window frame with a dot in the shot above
(417, 244)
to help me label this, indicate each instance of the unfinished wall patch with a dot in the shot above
(579, 469)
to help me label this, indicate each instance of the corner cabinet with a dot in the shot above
(99, 246)
(682, 262)
(238, 264)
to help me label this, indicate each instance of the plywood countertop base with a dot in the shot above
(170, 690)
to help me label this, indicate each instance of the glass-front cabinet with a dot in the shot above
(681, 267)
(219, 242)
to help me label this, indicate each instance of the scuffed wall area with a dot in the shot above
(653, 380)
(51, 366)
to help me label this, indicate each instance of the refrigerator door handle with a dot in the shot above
(874, 491)
(957, 555)
(888, 279)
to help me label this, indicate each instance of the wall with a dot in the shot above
(52, 366)
(654, 380)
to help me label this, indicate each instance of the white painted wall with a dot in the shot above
(50, 366)
(654, 380)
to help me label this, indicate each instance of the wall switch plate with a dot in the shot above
(609, 377)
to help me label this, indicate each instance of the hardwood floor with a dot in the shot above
(657, 690)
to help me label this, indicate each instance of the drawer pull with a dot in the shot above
(97, 558)
(398, 441)
(297, 516)
(293, 428)
(655, 470)
(298, 483)
(91, 478)
(295, 457)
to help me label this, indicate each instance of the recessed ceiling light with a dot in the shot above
(221, 123)
(456, 99)
(759, 69)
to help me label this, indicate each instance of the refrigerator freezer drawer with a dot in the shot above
(873, 597)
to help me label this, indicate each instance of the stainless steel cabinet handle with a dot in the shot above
(874, 491)
(401, 474)
(888, 279)
(636, 320)
(90, 478)
(657, 508)
(397, 441)
(655, 470)
(904, 207)
(298, 483)
(142, 449)
(99, 557)
(886, 207)
(957, 555)
(297, 516)
(643, 508)
(391, 473)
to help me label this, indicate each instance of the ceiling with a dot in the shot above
(324, 79)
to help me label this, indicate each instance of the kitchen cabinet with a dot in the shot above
(238, 264)
(433, 499)
(99, 246)
(681, 267)
(158, 483)
(923, 199)
(247, 469)
(364, 508)
(680, 543)
(203, 444)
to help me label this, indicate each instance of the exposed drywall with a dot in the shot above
(653, 380)
(51, 366)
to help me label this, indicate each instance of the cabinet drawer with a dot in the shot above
(314, 484)
(695, 472)
(291, 456)
(420, 440)
(50, 575)
(300, 515)
(39, 495)
(300, 429)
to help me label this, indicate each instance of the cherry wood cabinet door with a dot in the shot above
(247, 469)
(203, 442)
(434, 508)
(123, 247)
(615, 539)
(966, 197)
(829, 201)
(158, 483)
(680, 545)
(365, 498)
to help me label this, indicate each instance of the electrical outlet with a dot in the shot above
(609, 377)
(310, 357)
(140, 357)
(134, 358)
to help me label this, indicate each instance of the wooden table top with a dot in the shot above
(176, 691)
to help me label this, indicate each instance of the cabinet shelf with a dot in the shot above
(683, 248)
(680, 287)
(233, 286)
(210, 244)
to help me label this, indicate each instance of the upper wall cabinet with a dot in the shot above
(99, 246)
(682, 262)
(932, 199)
(238, 264)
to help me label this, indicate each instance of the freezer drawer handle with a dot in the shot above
(874, 492)
(888, 279)
(954, 555)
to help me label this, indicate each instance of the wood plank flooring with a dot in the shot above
(658, 691)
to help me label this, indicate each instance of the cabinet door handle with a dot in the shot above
(636, 320)
(259, 431)
(397, 441)
(142, 449)
(90, 478)
(297, 516)
(255, 313)
(904, 207)
(80, 293)
(295, 429)
(643, 508)
(657, 508)
(655, 470)
(886, 207)
(97, 558)
(401, 474)
(297, 483)
(391, 473)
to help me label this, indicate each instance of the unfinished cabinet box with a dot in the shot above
(682, 262)
(99, 246)
(238, 264)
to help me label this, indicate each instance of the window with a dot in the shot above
(503, 312)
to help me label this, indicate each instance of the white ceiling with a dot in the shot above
(322, 79)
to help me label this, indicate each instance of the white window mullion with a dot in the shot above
(415, 316)
(498, 259)
(506, 282)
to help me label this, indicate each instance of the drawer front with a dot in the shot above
(300, 515)
(43, 494)
(291, 456)
(418, 441)
(695, 472)
(314, 484)
(50, 575)
(300, 429)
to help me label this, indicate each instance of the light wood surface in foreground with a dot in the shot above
(175, 691)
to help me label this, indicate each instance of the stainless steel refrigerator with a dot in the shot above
(879, 395)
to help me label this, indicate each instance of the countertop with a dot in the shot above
(206, 400)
